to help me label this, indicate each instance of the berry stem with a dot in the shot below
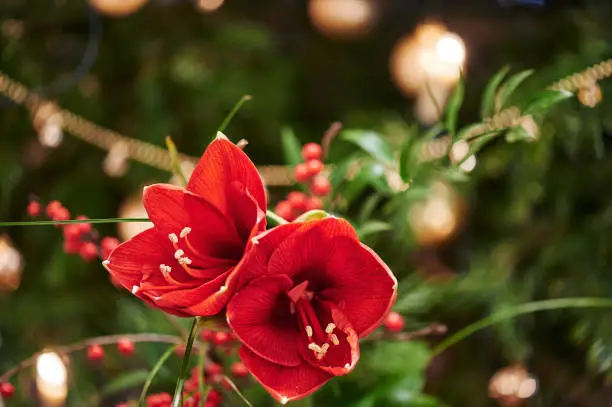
(99, 340)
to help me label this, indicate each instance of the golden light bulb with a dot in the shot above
(117, 8)
(132, 208)
(51, 379)
(342, 18)
(431, 57)
(208, 6)
(436, 218)
(11, 265)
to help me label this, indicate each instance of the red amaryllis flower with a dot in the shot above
(200, 234)
(306, 293)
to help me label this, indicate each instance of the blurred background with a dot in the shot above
(532, 222)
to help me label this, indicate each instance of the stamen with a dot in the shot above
(185, 231)
(173, 238)
(330, 328)
(309, 331)
(184, 260)
(178, 254)
(334, 339)
(165, 269)
(324, 348)
(314, 347)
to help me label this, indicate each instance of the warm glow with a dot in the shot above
(51, 135)
(450, 49)
(117, 8)
(51, 379)
(208, 6)
(436, 218)
(11, 265)
(132, 208)
(342, 18)
(430, 57)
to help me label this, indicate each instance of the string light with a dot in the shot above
(11, 265)
(51, 379)
(117, 8)
(427, 64)
(436, 218)
(342, 18)
(512, 386)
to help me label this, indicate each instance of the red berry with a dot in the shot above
(214, 396)
(108, 244)
(314, 167)
(320, 186)
(72, 232)
(7, 390)
(88, 251)
(33, 208)
(191, 385)
(122, 405)
(125, 346)
(83, 227)
(239, 369)
(61, 214)
(72, 246)
(52, 207)
(312, 151)
(213, 369)
(95, 352)
(180, 350)
(301, 173)
(221, 338)
(314, 203)
(394, 322)
(284, 209)
(206, 334)
(298, 200)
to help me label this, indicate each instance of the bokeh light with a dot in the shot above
(342, 18)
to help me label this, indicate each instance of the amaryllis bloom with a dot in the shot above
(183, 264)
(305, 295)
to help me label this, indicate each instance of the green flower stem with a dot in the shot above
(201, 362)
(511, 312)
(237, 391)
(153, 373)
(274, 219)
(180, 384)
(67, 222)
(233, 112)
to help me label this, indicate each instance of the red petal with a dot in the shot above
(213, 237)
(339, 359)
(260, 317)
(221, 165)
(308, 247)
(339, 269)
(284, 383)
(249, 219)
(360, 283)
(258, 254)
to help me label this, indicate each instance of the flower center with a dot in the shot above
(179, 254)
(319, 338)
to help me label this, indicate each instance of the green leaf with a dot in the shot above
(370, 142)
(454, 105)
(510, 86)
(546, 99)
(292, 148)
(433, 131)
(369, 174)
(488, 97)
(399, 358)
(153, 373)
(405, 158)
(372, 227)
(124, 382)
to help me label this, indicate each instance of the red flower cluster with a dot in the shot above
(79, 238)
(298, 296)
(309, 173)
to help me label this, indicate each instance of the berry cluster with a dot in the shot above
(310, 173)
(79, 238)
(124, 346)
